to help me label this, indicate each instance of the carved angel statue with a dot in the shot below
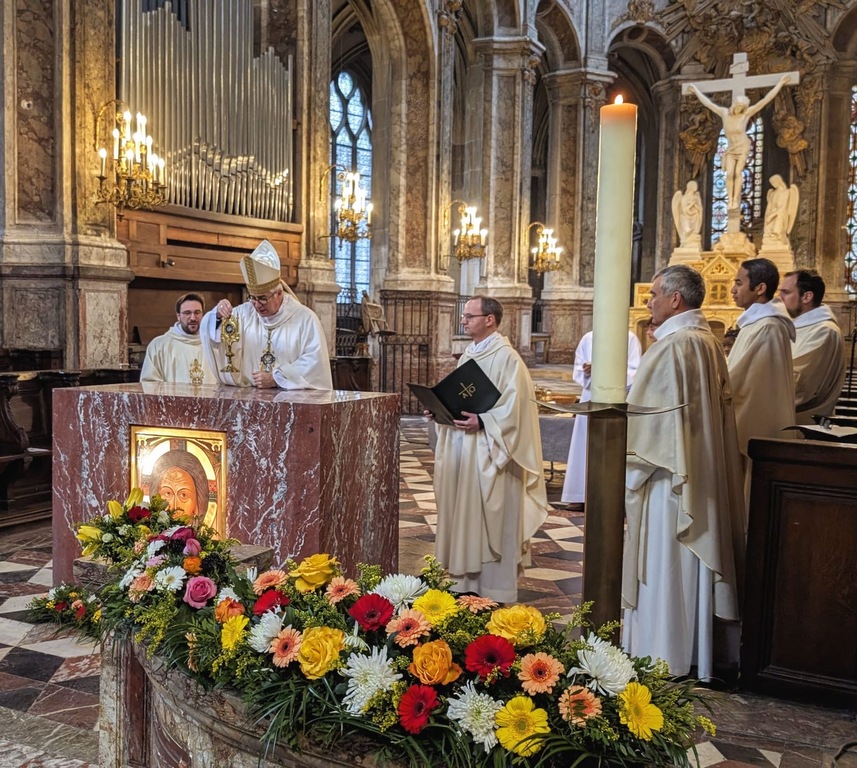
(687, 215)
(781, 211)
(372, 316)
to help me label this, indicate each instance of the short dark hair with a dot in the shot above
(685, 280)
(189, 297)
(809, 280)
(491, 306)
(763, 271)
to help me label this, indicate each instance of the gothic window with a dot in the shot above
(350, 148)
(751, 189)
(851, 221)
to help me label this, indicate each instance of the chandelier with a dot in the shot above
(468, 239)
(137, 174)
(546, 254)
(352, 208)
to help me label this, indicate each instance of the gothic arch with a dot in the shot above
(557, 33)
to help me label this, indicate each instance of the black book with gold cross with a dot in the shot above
(467, 388)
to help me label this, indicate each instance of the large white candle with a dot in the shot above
(614, 225)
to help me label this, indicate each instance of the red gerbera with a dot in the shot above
(136, 514)
(489, 655)
(371, 612)
(416, 706)
(268, 600)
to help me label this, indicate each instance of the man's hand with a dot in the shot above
(264, 380)
(470, 425)
(587, 369)
(224, 309)
(428, 415)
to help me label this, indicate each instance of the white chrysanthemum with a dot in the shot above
(124, 530)
(170, 578)
(227, 592)
(154, 547)
(132, 573)
(474, 713)
(609, 667)
(368, 675)
(251, 573)
(265, 631)
(401, 589)
(52, 593)
(163, 517)
(354, 642)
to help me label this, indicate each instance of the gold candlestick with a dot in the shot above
(230, 333)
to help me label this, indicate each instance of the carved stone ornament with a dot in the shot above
(639, 11)
(593, 96)
(448, 15)
(529, 70)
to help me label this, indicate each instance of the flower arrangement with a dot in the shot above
(430, 676)
(68, 605)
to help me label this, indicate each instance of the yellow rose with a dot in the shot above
(433, 664)
(516, 620)
(320, 649)
(314, 572)
(135, 498)
(115, 509)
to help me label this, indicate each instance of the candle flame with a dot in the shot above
(619, 99)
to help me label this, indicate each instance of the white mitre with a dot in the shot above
(261, 269)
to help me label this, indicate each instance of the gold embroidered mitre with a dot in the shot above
(261, 269)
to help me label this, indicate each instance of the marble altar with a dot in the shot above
(292, 460)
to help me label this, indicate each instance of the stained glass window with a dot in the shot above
(751, 189)
(851, 221)
(351, 148)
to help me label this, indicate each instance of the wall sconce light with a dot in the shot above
(546, 254)
(352, 207)
(137, 178)
(469, 239)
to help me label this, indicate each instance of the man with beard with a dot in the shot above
(177, 356)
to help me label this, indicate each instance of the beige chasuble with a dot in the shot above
(819, 363)
(177, 357)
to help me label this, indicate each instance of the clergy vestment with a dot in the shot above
(819, 363)
(684, 539)
(177, 357)
(760, 369)
(574, 486)
(490, 485)
(293, 337)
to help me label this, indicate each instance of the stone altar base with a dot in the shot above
(307, 471)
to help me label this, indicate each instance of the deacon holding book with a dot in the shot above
(488, 478)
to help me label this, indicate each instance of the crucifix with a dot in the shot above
(736, 117)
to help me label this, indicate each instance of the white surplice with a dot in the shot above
(684, 540)
(295, 338)
(574, 485)
(172, 356)
(490, 486)
(818, 355)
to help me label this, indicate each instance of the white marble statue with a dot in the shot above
(780, 212)
(687, 216)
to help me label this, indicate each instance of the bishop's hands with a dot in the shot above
(224, 309)
(263, 379)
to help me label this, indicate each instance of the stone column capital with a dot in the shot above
(508, 53)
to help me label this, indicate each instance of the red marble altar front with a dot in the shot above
(307, 471)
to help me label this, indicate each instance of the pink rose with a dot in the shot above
(199, 590)
(192, 548)
(182, 534)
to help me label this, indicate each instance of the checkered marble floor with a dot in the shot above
(49, 683)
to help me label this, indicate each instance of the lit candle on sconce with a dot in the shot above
(369, 213)
(614, 222)
(102, 153)
(115, 143)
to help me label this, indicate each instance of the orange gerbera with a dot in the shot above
(340, 588)
(410, 625)
(577, 704)
(285, 646)
(475, 603)
(141, 584)
(273, 578)
(539, 673)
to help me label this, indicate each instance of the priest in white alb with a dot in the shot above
(177, 355)
(684, 539)
(818, 353)
(488, 474)
(276, 342)
(760, 361)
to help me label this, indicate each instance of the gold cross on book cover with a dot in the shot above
(467, 388)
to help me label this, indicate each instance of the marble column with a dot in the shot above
(64, 275)
(505, 139)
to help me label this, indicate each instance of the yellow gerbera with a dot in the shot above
(233, 631)
(436, 605)
(638, 713)
(518, 722)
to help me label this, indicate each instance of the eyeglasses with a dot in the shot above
(468, 318)
(191, 313)
(263, 299)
